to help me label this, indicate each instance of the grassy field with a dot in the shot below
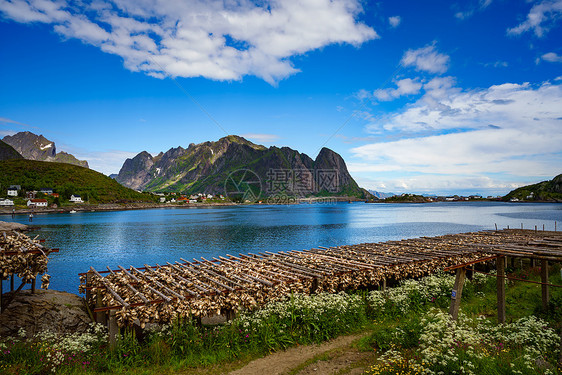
(411, 333)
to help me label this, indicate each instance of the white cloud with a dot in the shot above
(440, 184)
(217, 40)
(508, 129)
(106, 162)
(10, 121)
(394, 21)
(482, 4)
(404, 87)
(261, 138)
(551, 57)
(426, 59)
(540, 19)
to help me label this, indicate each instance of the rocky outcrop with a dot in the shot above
(36, 147)
(208, 167)
(44, 310)
(6, 226)
(7, 152)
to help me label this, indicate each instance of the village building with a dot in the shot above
(12, 192)
(47, 191)
(30, 194)
(6, 202)
(37, 203)
(162, 199)
(76, 199)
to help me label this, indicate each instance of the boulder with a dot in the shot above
(44, 310)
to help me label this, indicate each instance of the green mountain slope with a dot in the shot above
(7, 152)
(66, 179)
(543, 191)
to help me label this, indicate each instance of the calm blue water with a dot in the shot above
(101, 239)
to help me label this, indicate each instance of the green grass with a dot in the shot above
(403, 321)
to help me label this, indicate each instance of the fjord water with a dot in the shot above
(152, 236)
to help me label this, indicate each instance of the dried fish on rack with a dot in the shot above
(157, 294)
(23, 257)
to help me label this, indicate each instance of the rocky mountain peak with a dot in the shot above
(36, 147)
(204, 168)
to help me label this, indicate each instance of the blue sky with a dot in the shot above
(426, 97)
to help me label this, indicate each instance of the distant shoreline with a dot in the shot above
(142, 206)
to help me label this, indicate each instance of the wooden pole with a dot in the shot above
(457, 293)
(544, 280)
(33, 284)
(100, 315)
(384, 284)
(500, 283)
(12, 283)
(88, 285)
(113, 329)
(1, 291)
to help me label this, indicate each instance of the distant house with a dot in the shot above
(37, 203)
(55, 195)
(30, 194)
(193, 201)
(6, 202)
(47, 191)
(76, 199)
(17, 187)
(12, 192)
(173, 200)
(183, 199)
(162, 199)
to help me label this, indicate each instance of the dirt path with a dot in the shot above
(333, 357)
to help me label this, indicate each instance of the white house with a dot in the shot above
(37, 203)
(76, 199)
(6, 202)
(162, 199)
(12, 192)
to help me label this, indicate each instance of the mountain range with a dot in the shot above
(36, 147)
(234, 165)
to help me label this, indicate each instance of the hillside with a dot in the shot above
(7, 152)
(209, 167)
(36, 147)
(543, 191)
(66, 179)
